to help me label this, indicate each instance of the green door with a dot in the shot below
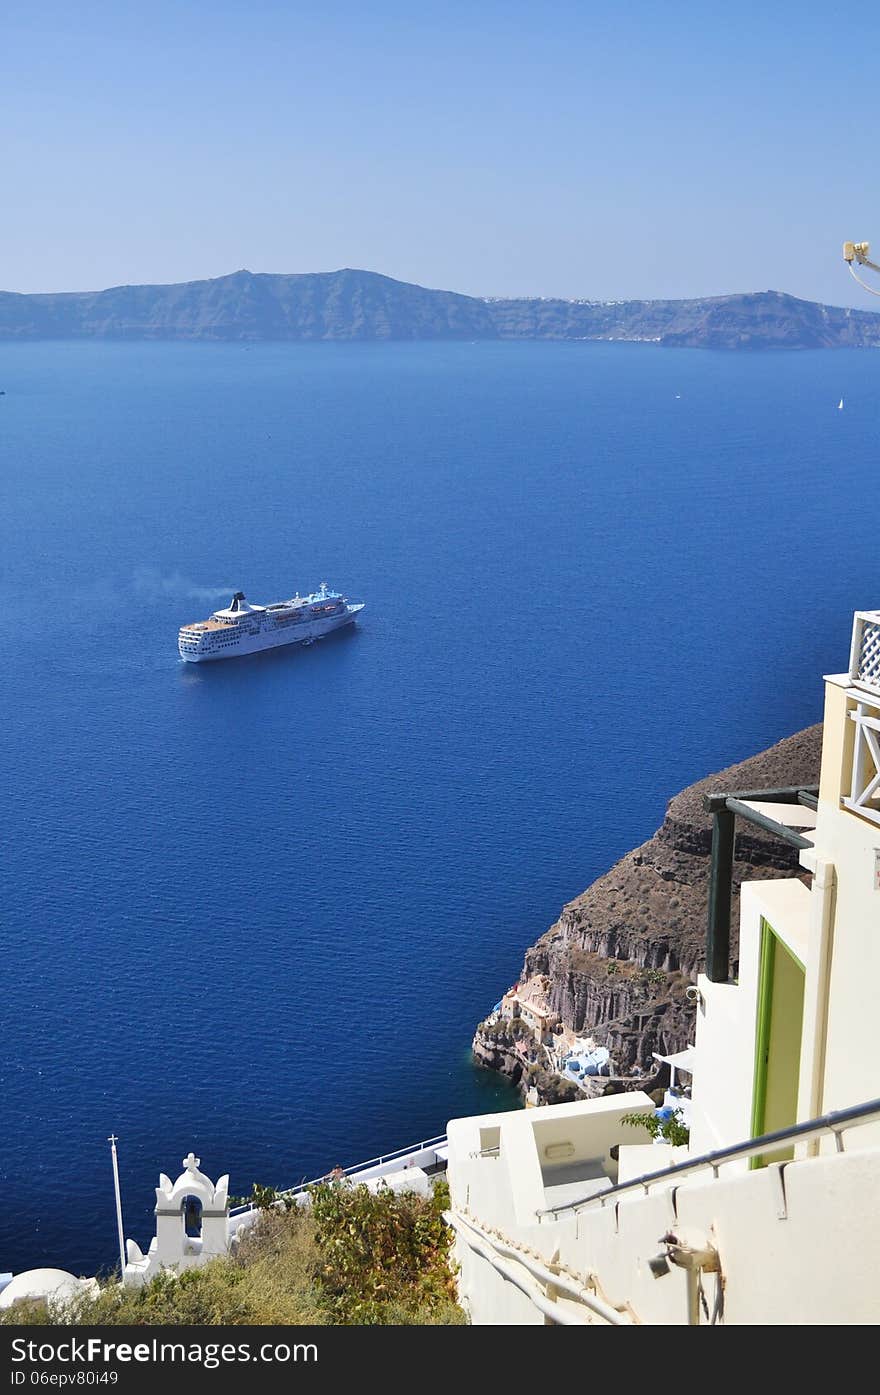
(778, 1043)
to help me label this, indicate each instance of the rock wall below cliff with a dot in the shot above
(622, 954)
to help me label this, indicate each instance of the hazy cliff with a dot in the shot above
(763, 320)
(621, 955)
(332, 305)
(361, 305)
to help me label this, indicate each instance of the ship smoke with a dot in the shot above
(151, 584)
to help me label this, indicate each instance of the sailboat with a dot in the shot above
(840, 405)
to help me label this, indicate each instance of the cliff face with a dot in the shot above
(361, 305)
(622, 954)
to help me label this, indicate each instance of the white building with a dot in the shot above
(528, 1003)
(552, 1227)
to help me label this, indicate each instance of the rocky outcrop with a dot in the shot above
(499, 1051)
(621, 955)
(498, 1047)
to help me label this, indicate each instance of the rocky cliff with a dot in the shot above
(361, 305)
(621, 955)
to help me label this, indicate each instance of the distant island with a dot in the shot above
(365, 306)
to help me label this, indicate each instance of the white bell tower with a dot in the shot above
(192, 1196)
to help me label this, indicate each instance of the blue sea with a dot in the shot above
(256, 908)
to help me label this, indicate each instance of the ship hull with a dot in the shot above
(304, 633)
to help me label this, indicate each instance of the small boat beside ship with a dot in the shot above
(242, 628)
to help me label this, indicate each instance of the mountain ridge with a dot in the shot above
(355, 305)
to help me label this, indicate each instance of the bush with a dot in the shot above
(351, 1258)
(384, 1258)
(672, 1130)
(269, 1280)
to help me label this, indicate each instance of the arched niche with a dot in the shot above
(192, 1216)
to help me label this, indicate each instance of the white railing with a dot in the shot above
(864, 658)
(864, 795)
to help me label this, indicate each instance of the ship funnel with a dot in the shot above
(238, 601)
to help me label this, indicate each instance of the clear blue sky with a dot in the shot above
(575, 149)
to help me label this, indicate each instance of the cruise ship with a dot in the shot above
(247, 629)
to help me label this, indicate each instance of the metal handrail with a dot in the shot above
(835, 1122)
(495, 1249)
(780, 830)
(349, 1171)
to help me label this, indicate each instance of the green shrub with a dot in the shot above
(672, 1130)
(384, 1258)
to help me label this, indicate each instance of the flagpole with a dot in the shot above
(112, 1140)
